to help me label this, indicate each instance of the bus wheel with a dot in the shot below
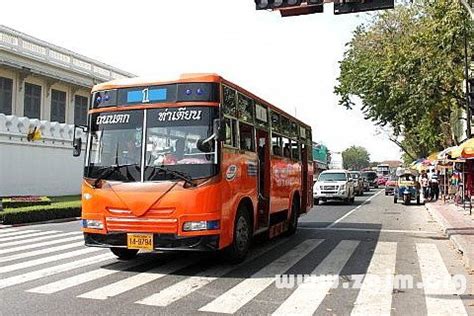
(124, 253)
(293, 224)
(237, 251)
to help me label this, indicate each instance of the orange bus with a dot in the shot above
(197, 163)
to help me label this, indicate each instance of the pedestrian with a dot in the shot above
(424, 185)
(434, 187)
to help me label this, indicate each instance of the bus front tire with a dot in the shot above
(242, 237)
(124, 253)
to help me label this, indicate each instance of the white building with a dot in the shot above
(47, 87)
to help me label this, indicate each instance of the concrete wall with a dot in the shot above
(42, 167)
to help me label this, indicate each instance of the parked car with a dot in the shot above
(334, 185)
(371, 177)
(390, 185)
(358, 182)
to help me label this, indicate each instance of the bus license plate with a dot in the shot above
(140, 241)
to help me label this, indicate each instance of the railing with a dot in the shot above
(31, 47)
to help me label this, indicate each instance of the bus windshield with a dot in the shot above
(171, 143)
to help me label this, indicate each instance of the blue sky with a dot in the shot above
(290, 62)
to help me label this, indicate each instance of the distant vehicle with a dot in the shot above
(337, 161)
(334, 185)
(358, 182)
(381, 180)
(408, 189)
(383, 170)
(371, 177)
(390, 185)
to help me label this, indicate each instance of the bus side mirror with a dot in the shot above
(77, 141)
(77, 147)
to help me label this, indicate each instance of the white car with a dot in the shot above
(334, 185)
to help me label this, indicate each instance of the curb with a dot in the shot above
(458, 242)
(59, 220)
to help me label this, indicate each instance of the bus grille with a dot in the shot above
(125, 221)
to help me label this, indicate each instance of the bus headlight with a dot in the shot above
(92, 224)
(200, 225)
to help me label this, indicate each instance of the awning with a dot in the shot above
(465, 150)
(442, 155)
(433, 157)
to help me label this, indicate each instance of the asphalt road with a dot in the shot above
(349, 254)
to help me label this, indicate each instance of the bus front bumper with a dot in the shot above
(161, 242)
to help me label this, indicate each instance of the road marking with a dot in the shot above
(38, 274)
(28, 235)
(32, 263)
(34, 240)
(16, 233)
(306, 299)
(41, 251)
(7, 230)
(41, 244)
(395, 231)
(375, 294)
(232, 300)
(84, 278)
(439, 293)
(353, 210)
(137, 280)
(191, 284)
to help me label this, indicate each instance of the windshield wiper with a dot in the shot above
(178, 174)
(107, 171)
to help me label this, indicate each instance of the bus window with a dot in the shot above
(286, 148)
(229, 100)
(294, 130)
(285, 126)
(261, 116)
(246, 137)
(230, 132)
(275, 121)
(295, 150)
(245, 108)
(276, 145)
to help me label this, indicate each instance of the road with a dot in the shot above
(351, 251)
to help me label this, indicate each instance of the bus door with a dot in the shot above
(263, 179)
(304, 177)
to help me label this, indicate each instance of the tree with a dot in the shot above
(406, 67)
(355, 158)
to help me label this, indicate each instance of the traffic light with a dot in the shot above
(353, 6)
(276, 4)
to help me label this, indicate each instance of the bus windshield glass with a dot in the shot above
(171, 146)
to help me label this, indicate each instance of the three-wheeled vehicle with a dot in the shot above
(407, 189)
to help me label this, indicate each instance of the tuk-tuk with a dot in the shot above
(407, 189)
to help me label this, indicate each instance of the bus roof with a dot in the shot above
(185, 78)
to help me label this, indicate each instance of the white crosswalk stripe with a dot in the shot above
(41, 244)
(8, 230)
(83, 278)
(201, 279)
(231, 301)
(38, 274)
(137, 280)
(35, 253)
(437, 283)
(375, 295)
(307, 297)
(17, 232)
(49, 232)
(32, 263)
(36, 239)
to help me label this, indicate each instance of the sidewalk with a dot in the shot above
(458, 227)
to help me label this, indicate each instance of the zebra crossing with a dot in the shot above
(53, 262)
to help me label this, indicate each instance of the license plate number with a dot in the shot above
(140, 241)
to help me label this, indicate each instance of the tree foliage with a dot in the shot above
(406, 67)
(355, 158)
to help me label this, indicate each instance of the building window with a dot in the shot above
(32, 101)
(58, 106)
(6, 88)
(80, 110)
